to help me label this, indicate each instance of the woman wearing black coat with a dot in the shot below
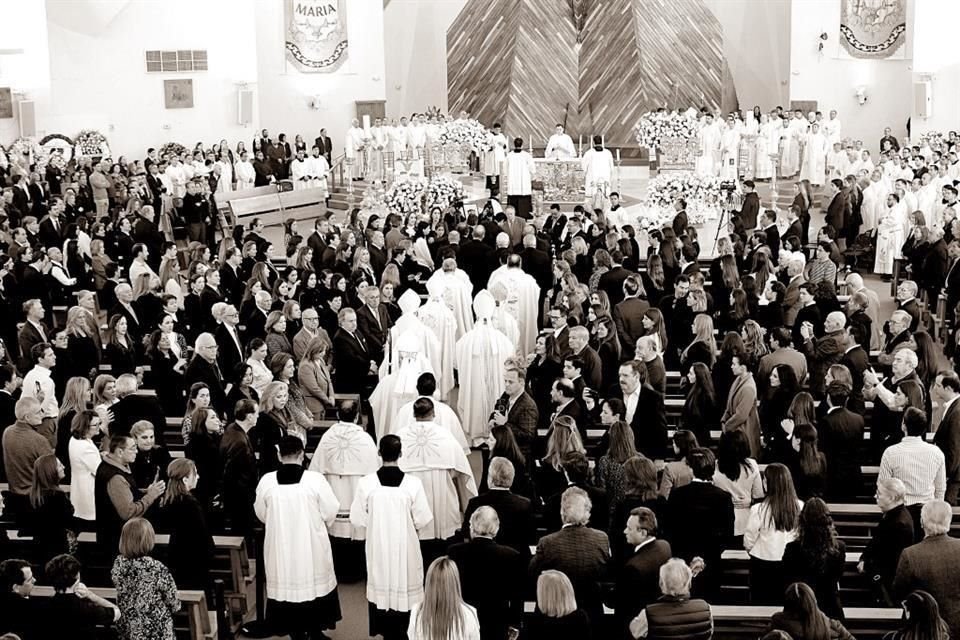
(166, 374)
(51, 515)
(817, 557)
(191, 545)
(204, 450)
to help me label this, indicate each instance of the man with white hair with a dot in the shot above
(514, 511)
(648, 353)
(825, 351)
(124, 306)
(523, 295)
(907, 301)
(885, 426)
(933, 564)
(580, 348)
(491, 575)
(855, 285)
(203, 368)
(456, 289)
(675, 614)
(899, 338)
(888, 539)
(580, 552)
(791, 299)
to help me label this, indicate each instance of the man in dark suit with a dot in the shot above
(156, 187)
(203, 368)
(933, 564)
(750, 210)
(808, 313)
(230, 353)
(580, 552)
(126, 308)
(491, 575)
(638, 580)
(351, 357)
(701, 521)
(145, 231)
(517, 410)
(836, 214)
(21, 195)
(325, 145)
(515, 511)
(677, 318)
(946, 390)
(576, 468)
(477, 258)
(893, 534)
(579, 344)
(38, 195)
(231, 283)
(33, 332)
(132, 407)
(856, 360)
(680, 220)
(9, 383)
(255, 324)
(51, 226)
(558, 343)
(612, 281)
(563, 395)
(378, 254)
(771, 234)
(907, 301)
(795, 228)
(373, 323)
(841, 438)
(239, 484)
(536, 262)
(953, 279)
(628, 316)
(644, 410)
(825, 351)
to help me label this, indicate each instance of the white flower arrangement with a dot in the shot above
(26, 152)
(443, 191)
(406, 196)
(172, 149)
(91, 143)
(464, 133)
(656, 125)
(665, 188)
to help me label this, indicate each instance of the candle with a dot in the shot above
(618, 155)
(602, 143)
(581, 144)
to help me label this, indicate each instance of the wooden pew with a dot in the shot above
(194, 621)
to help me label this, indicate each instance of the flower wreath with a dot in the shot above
(92, 143)
(27, 152)
(172, 149)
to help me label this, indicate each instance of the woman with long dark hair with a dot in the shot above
(203, 449)
(700, 409)
(191, 545)
(51, 516)
(739, 475)
(503, 444)
(922, 614)
(817, 556)
(782, 388)
(731, 347)
(771, 525)
(809, 465)
(609, 470)
(678, 473)
(654, 279)
(770, 307)
(803, 620)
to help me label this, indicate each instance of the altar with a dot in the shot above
(559, 180)
(677, 154)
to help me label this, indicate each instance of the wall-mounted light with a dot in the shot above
(314, 103)
(822, 41)
(861, 95)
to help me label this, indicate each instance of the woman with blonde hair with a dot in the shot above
(76, 397)
(557, 616)
(314, 377)
(443, 615)
(104, 392)
(98, 263)
(564, 437)
(272, 424)
(84, 462)
(85, 355)
(753, 343)
(170, 279)
(703, 348)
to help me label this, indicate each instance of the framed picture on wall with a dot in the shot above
(178, 94)
(6, 103)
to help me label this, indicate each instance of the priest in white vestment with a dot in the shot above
(832, 128)
(317, 171)
(789, 149)
(345, 454)
(356, 150)
(480, 355)
(891, 234)
(417, 139)
(730, 150)
(519, 175)
(299, 172)
(523, 295)
(437, 316)
(874, 202)
(456, 290)
(378, 144)
(493, 158)
(431, 454)
(393, 508)
(709, 142)
(598, 170)
(502, 320)
(444, 414)
(178, 177)
(225, 183)
(398, 387)
(246, 174)
(927, 197)
(837, 162)
(297, 508)
(560, 146)
(814, 156)
(408, 324)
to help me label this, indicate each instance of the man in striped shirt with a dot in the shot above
(918, 464)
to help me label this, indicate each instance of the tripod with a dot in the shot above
(728, 206)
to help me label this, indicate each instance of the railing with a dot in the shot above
(337, 171)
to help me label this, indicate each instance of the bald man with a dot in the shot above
(825, 351)
(892, 535)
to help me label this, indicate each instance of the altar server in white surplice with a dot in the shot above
(397, 137)
(597, 166)
(523, 295)
(178, 177)
(444, 415)
(393, 508)
(874, 202)
(764, 165)
(709, 142)
(408, 324)
(456, 290)
(246, 174)
(837, 162)
(436, 316)
(355, 148)
(927, 197)
(345, 454)
(789, 149)
(317, 170)
(480, 355)
(431, 454)
(298, 507)
(299, 172)
(225, 183)
(560, 146)
(493, 159)
(891, 234)
(400, 386)
(378, 144)
(814, 156)
(417, 139)
(832, 128)
(730, 150)
(520, 170)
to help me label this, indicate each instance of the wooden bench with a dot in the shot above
(194, 620)
(301, 204)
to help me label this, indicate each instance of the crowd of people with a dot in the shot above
(309, 387)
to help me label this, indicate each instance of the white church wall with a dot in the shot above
(937, 59)
(833, 81)
(23, 28)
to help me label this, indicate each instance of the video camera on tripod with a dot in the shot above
(728, 189)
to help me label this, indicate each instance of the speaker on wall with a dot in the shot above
(244, 106)
(923, 99)
(27, 118)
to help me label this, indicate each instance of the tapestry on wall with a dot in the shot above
(315, 34)
(873, 28)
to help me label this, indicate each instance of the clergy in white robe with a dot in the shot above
(397, 136)
(814, 166)
(431, 454)
(345, 454)
(480, 355)
(437, 316)
(789, 149)
(299, 172)
(399, 386)
(408, 324)
(317, 171)
(502, 320)
(225, 184)
(598, 169)
(355, 148)
(708, 140)
(417, 138)
(832, 128)
(378, 144)
(560, 146)
(837, 162)
(245, 172)
(519, 177)
(730, 151)
(444, 415)
(523, 295)
(927, 197)
(874, 202)
(456, 290)
(297, 508)
(494, 156)
(891, 234)
(392, 506)
(178, 177)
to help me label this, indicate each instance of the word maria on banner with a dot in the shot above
(315, 34)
